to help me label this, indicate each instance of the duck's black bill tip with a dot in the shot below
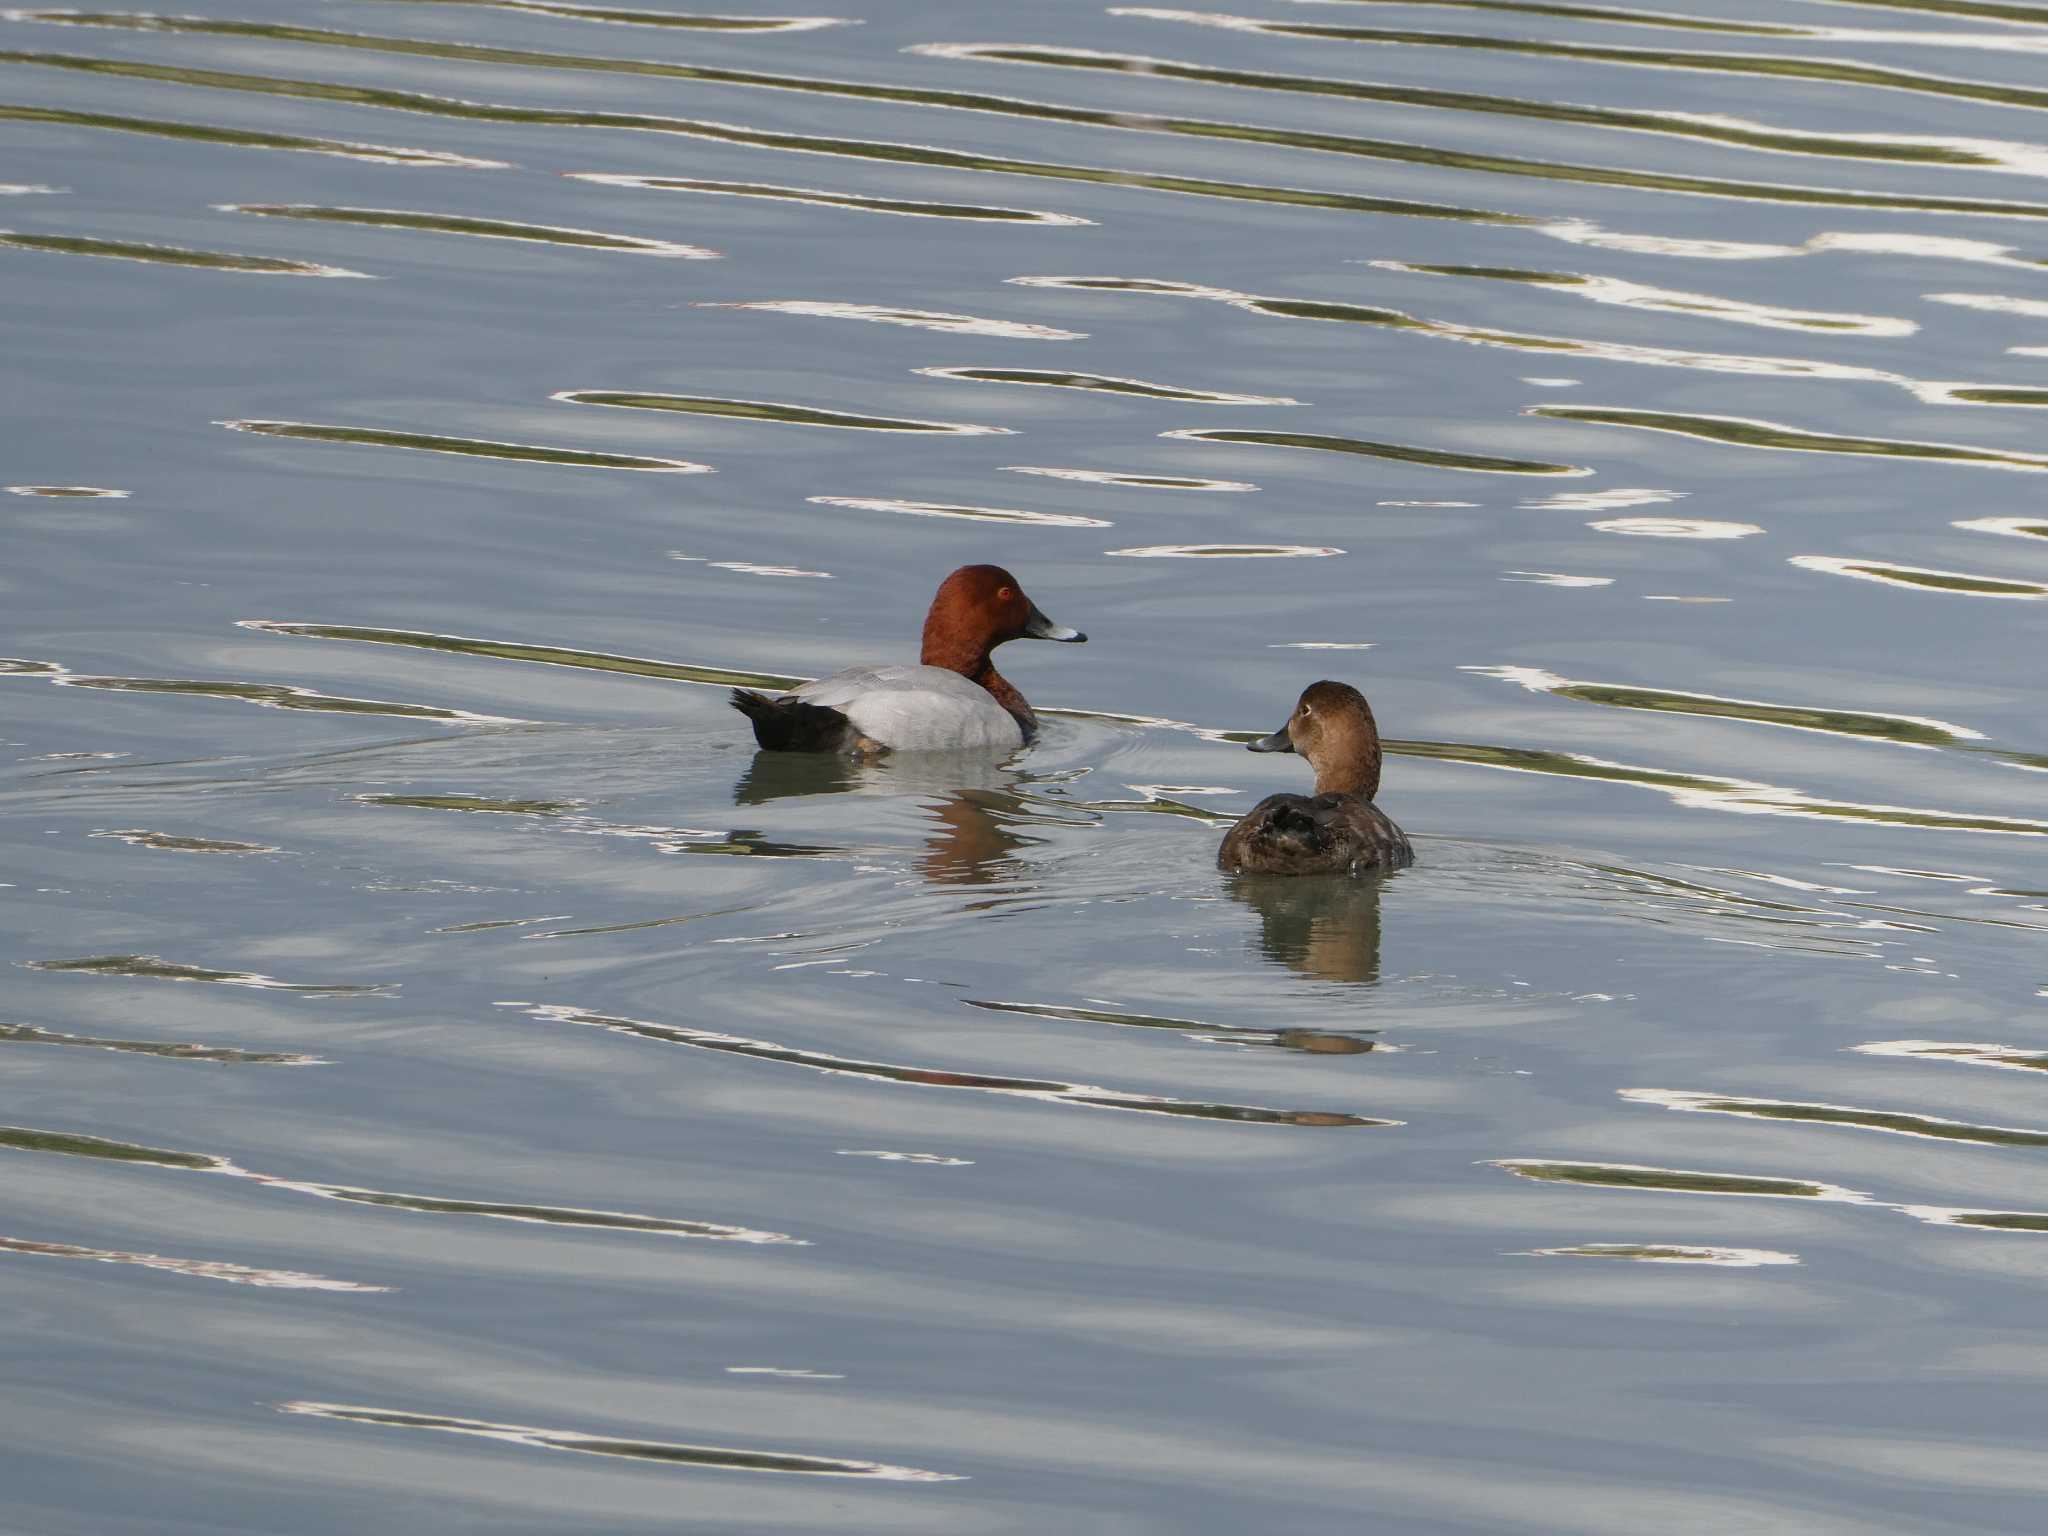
(1039, 627)
(1279, 741)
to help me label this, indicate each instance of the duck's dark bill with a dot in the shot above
(1039, 627)
(1279, 741)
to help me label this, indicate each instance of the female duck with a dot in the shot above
(1339, 830)
(953, 700)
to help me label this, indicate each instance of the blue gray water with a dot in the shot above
(451, 1083)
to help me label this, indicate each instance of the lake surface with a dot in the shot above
(452, 1083)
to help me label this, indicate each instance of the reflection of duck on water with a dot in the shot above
(971, 797)
(1338, 830)
(1328, 929)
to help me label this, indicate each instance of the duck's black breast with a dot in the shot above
(1314, 835)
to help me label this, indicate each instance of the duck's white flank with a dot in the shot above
(916, 708)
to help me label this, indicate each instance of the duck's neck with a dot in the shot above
(1006, 694)
(973, 662)
(1354, 773)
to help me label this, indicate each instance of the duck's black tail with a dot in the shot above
(789, 724)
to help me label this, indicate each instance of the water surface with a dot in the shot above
(452, 1080)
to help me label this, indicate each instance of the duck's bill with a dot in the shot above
(1279, 741)
(1039, 627)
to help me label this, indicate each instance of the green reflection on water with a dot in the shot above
(635, 1450)
(1669, 124)
(636, 18)
(156, 968)
(1895, 1122)
(457, 224)
(20, 1138)
(1665, 1180)
(170, 255)
(1841, 722)
(1765, 65)
(765, 410)
(1044, 1090)
(1308, 1041)
(1745, 432)
(271, 696)
(727, 133)
(1999, 1221)
(169, 842)
(471, 447)
(547, 1215)
(906, 207)
(545, 655)
(237, 138)
(1610, 14)
(30, 1034)
(1986, 394)
(1376, 149)
(1053, 378)
(1921, 576)
(1441, 458)
(474, 803)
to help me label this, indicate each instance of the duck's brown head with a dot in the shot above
(977, 608)
(1332, 726)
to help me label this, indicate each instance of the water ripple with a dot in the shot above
(1697, 791)
(1229, 551)
(768, 410)
(1922, 578)
(1045, 1091)
(666, 1452)
(1748, 432)
(31, 1034)
(1677, 1181)
(1720, 129)
(1436, 458)
(171, 255)
(1901, 730)
(857, 202)
(1628, 295)
(241, 138)
(1762, 65)
(2012, 1058)
(17, 1138)
(1130, 480)
(203, 1269)
(916, 319)
(267, 695)
(618, 16)
(1666, 1253)
(486, 229)
(970, 513)
(1894, 1122)
(156, 968)
(1109, 384)
(1376, 149)
(468, 447)
(731, 133)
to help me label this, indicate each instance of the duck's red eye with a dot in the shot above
(1004, 594)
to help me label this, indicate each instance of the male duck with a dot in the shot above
(1339, 830)
(953, 700)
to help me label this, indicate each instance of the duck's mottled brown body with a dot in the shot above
(1314, 835)
(1338, 830)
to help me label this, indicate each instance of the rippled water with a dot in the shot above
(436, 1039)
